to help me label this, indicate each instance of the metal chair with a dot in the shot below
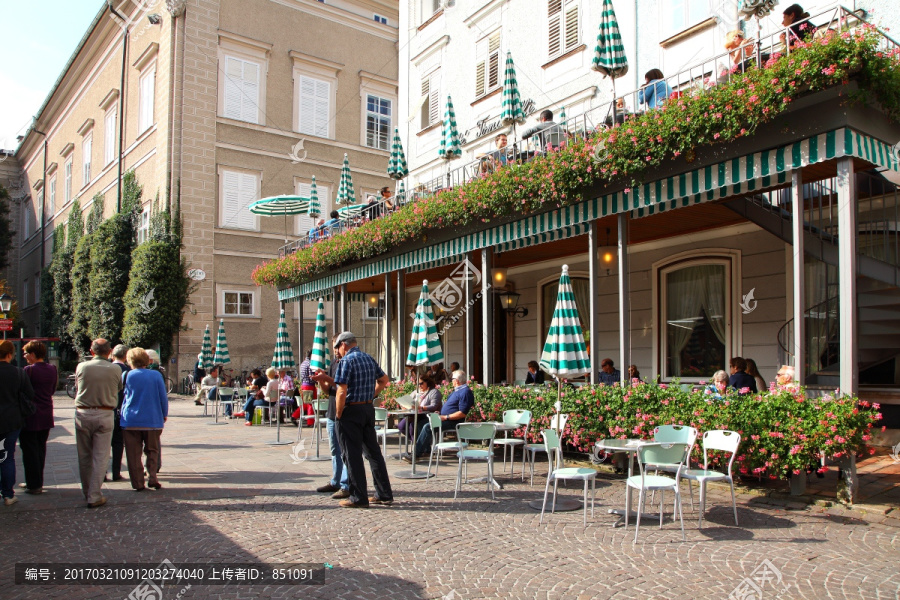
(532, 449)
(674, 434)
(224, 396)
(240, 398)
(553, 447)
(439, 445)
(475, 432)
(517, 418)
(383, 432)
(722, 440)
(655, 454)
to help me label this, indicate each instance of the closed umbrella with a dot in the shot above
(283, 359)
(401, 194)
(206, 352)
(424, 350)
(221, 356)
(397, 168)
(315, 209)
(345, 193)
(450, 147)
(512, 112)
(318, 359)
(609, 54)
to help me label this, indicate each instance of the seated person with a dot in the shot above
(740, 379)
(373, 208)
(609, 375)
(799, 29)
(386, 199)
(717, 385)
(207, 386)
(549, 134)
(428, 399)
(535, 375)
(285, 385)
(332, 224)
(741, 50)
(500, 155)
(621, 112)
(785, 378)
(255, 383)
(633, 373)
(453, 412)
(655, 90)
(316, 231)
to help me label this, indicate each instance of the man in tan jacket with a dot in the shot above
(98, 382)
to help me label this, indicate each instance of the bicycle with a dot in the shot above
(71, 386)
(188, 385)
(170, 385)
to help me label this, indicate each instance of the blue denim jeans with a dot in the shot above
(338, 471)
(251, 406)
(8, 466)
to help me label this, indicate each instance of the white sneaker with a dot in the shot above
(10, 501)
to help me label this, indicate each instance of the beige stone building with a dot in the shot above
(227, 101)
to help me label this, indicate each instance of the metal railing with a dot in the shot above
(720, 68)
(821, 335)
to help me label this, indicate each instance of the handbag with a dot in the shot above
(260, 394)
(26, 406)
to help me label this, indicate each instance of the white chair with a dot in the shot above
(724, 441)
(382, 431)
(240, 398)
(553, 447)
(224, 397)
(674, 434)
(655, 454)
(475, 432)
(518, 419)
(438, 444)
(532, 449)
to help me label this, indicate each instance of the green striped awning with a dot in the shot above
(757, 171)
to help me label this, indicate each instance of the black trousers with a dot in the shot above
(34, 453)
(118, 449)
(356, 434)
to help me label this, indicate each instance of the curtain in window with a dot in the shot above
(714, 298)
(683, 305)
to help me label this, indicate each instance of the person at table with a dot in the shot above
(633, 373)
(548, 132)
(428, 398)
(717, 385)
(255, 384)
(373, 208)
(453, 412)
(265, 395)
(316, 230)
(621, 112)
(386, 198)
(500, 155)
(535, 376)
(740, 379)
(655, 89)
(740, 49)
(331, 226)
(799, 29)
(608, 375)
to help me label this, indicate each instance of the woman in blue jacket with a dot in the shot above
(144, 414)
(655, 90)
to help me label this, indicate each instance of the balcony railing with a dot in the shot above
(719, 69)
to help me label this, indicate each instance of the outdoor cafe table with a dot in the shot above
(406, 412)
(411, 473)
(498, 427)
(630, 447)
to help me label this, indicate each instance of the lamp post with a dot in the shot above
(509, 300)
(5, 306)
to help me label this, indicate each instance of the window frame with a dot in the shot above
(433, 103)
(365, 95)
(564, 46)
(222, 221)
(26, 301)
(483, 57)
(87, 149)
(227, 288)
(110, 129)
(247, 50)
(27, 218)
(667, 13)
(143, 225)
(67, 180)
(147, 108)
(52, 185)
(316, 69)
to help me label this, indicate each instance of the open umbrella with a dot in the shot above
(206, 352)
(397, 168)
(283, 205)
(609, 54)
(424, 350)
(221, 357)
(512, 113)
(320, 345)
(315, 209)
(345, 193)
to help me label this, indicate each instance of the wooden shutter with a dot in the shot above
(434, 100)
(86, 151)
(305, 222)
(146, 100)
(250, 97)
(572, 25)
(480, 67)
(322, 108)
(233, 85)
(493, 62)
(554, 15)
(231, 197)
(315, 106)
(245, 218)
(241, 90)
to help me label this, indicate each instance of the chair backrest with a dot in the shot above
(241, 392)
(320, 405)
(434, 420)
(306, 396)
(516, 417)
(660, 453)
(675, 433)
(723, 440)
(225, 393)
(272, 393)
(561, 425)
(553, 446)
(381, 414)
(476, 431)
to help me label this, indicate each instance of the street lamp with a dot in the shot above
(509, 300)
(5, 306)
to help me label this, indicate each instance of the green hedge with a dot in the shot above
(782, 431)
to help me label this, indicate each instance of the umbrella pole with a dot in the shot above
(412, 474)
(614, 101)
(277, 441)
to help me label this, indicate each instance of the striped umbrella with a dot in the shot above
(512, 112)
(425, 345)
(565, 352)
(345, 193)
(401, 194)
(609, 54)
(397, 168)
(319, 358)
(450, 146)
(315, 209)
(284, 354)
(276, 206)
(562, 118)
(206, 351)
(221, 357)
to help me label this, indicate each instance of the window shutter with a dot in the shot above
(322, 108)
(305, 222)
(245, 218)
(86, 161)
(434, 101)
(146, 100)
(250, 97)
(554, 13)
(231, 199)
(494, 62)
(480, 67)
(572, 29)
(426, 105)
(233, 84)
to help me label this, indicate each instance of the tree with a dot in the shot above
(6, 233)
(61, 268)
(82, 306)
(48, 291)
(95, 217)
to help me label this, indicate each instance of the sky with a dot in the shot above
(38, 39)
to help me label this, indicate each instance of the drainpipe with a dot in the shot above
(121, 103)
(43, 210)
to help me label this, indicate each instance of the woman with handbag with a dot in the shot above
(33, 437)
(16, 394)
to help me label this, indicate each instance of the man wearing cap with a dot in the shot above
(359, 380)
(453, 412)
(98, 382)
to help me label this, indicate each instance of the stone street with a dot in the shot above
(229, 497)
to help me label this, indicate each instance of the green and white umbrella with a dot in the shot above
(206, 351)
(319, 357)
(348, 212)
(345, 193)
(425, 346)
(401, 194)
(281, 206)
(315, 209)
(609, 54)
(284, 354)
(450, 146)
(512, 112)
(397, 168)
(221, 357)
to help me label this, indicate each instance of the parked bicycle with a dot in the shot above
(71, 388)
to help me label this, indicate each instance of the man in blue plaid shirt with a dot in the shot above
(359, 380)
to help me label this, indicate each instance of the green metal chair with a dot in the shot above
(532, 449)
(439, 445)
(674, 434)
(517, 418)
(475, 432)
(647, 456)
(553, 447)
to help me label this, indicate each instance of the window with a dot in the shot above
(581, 289)
(695, 319)
(678, 15)
(380, 19)
(378, 122)
(27, 220)
(373, 313)
(239, 189)
(109, 136)
(431, 91)
(305, 222)
(37, 288)
(143, 231)
(40, 211)
(67, 191)
(487, 65)
(147, 97)
(238, 304)
(53, 195)
(564, 33)
(25, 301)
(86, 160)
(242, 87)
(315, 106)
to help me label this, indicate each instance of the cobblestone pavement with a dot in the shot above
(230, 497)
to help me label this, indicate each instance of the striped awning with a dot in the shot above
(756, 171)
